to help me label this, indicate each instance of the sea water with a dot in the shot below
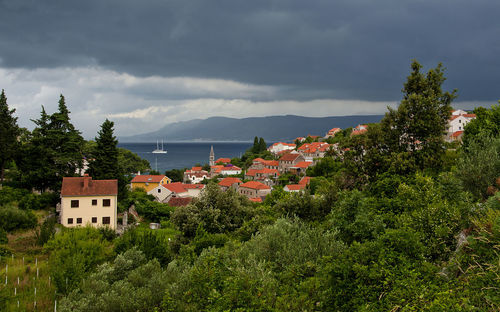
(185, 155)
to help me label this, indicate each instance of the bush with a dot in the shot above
(129, 283)
(3, 236)
(12, 219)
(151, 243)
(46, 231)
(73, 254)
(37, 202)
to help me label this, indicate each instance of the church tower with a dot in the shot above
(211, 159)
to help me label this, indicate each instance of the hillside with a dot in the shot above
(272, 128)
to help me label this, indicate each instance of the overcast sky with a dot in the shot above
(150, 62)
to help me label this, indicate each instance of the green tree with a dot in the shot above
(129, 283)
(105, 164)
(418, 124)
(53, 151)
(8, 135)
(65, 141)
(262, 145)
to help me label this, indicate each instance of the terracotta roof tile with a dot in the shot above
(179, 201)
(295, 187)
(75, 186)
(289, 157)
(305, 180)
(255, 185)
(227, 182)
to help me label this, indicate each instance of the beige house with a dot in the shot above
(289, 160)
(88, 202)
(254, 189)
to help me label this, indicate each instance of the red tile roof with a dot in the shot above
(147, 178)
(305, 180)
(85, 186)
(303, 164)
(255, 185)
(256, 199)
(227, 182)
(251, 172)
(454, 117)
(295, 187)
(456, 134)
(223, 160)
(357, 132)
(289, 157)
(179, 201)
(469, 115)
(197, 169)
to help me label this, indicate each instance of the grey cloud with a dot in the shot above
(316, 49)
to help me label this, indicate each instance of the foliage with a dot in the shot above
(176, 175)
(153, 210)
(53, 151)
(3, 236)
(151, 243)
(38, 202)
(479, 164)
(325, 167)
(216, 210)
(486, 123)
(9, 194)
(274, 271)
(131, 162)
(9, 130)
(129, 283)
(73, 254)
(46, 231)
(12, 218)
(418, 125)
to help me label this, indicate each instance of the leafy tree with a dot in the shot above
(255, 147)
(12, 218)
(486, 123)
(73, 254)
(479, 164)
(8, 135)
(47, 231)
(3, 236)
(176, 175)
(216, 210)
(131, 162)
(129, 283)
(419, 123)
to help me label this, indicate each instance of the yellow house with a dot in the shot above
(149, 182)
(88, 202)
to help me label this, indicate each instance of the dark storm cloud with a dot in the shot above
(315, 49)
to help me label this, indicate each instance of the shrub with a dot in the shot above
(12, 219)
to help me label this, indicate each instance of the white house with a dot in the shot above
(456, 124)
(280, 147)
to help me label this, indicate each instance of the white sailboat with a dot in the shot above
(158, 150)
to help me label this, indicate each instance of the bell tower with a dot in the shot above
(211, 159)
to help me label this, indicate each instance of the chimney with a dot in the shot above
(86, 181)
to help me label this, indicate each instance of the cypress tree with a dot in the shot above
(8, 135)
(262, 145)
(255, 148)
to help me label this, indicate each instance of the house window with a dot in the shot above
(159, 190)
(106, 202)
(459, 128)
(75, 203)
(70, 220)
(459, 121)
(94, 219)
(94, 202)
(106, 220)
(78, 220)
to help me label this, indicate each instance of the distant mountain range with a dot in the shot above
(272, 128)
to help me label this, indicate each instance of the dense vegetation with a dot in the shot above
(393, 222)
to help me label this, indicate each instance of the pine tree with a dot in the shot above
(66, 141)
(105, 162)
(8, 135)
